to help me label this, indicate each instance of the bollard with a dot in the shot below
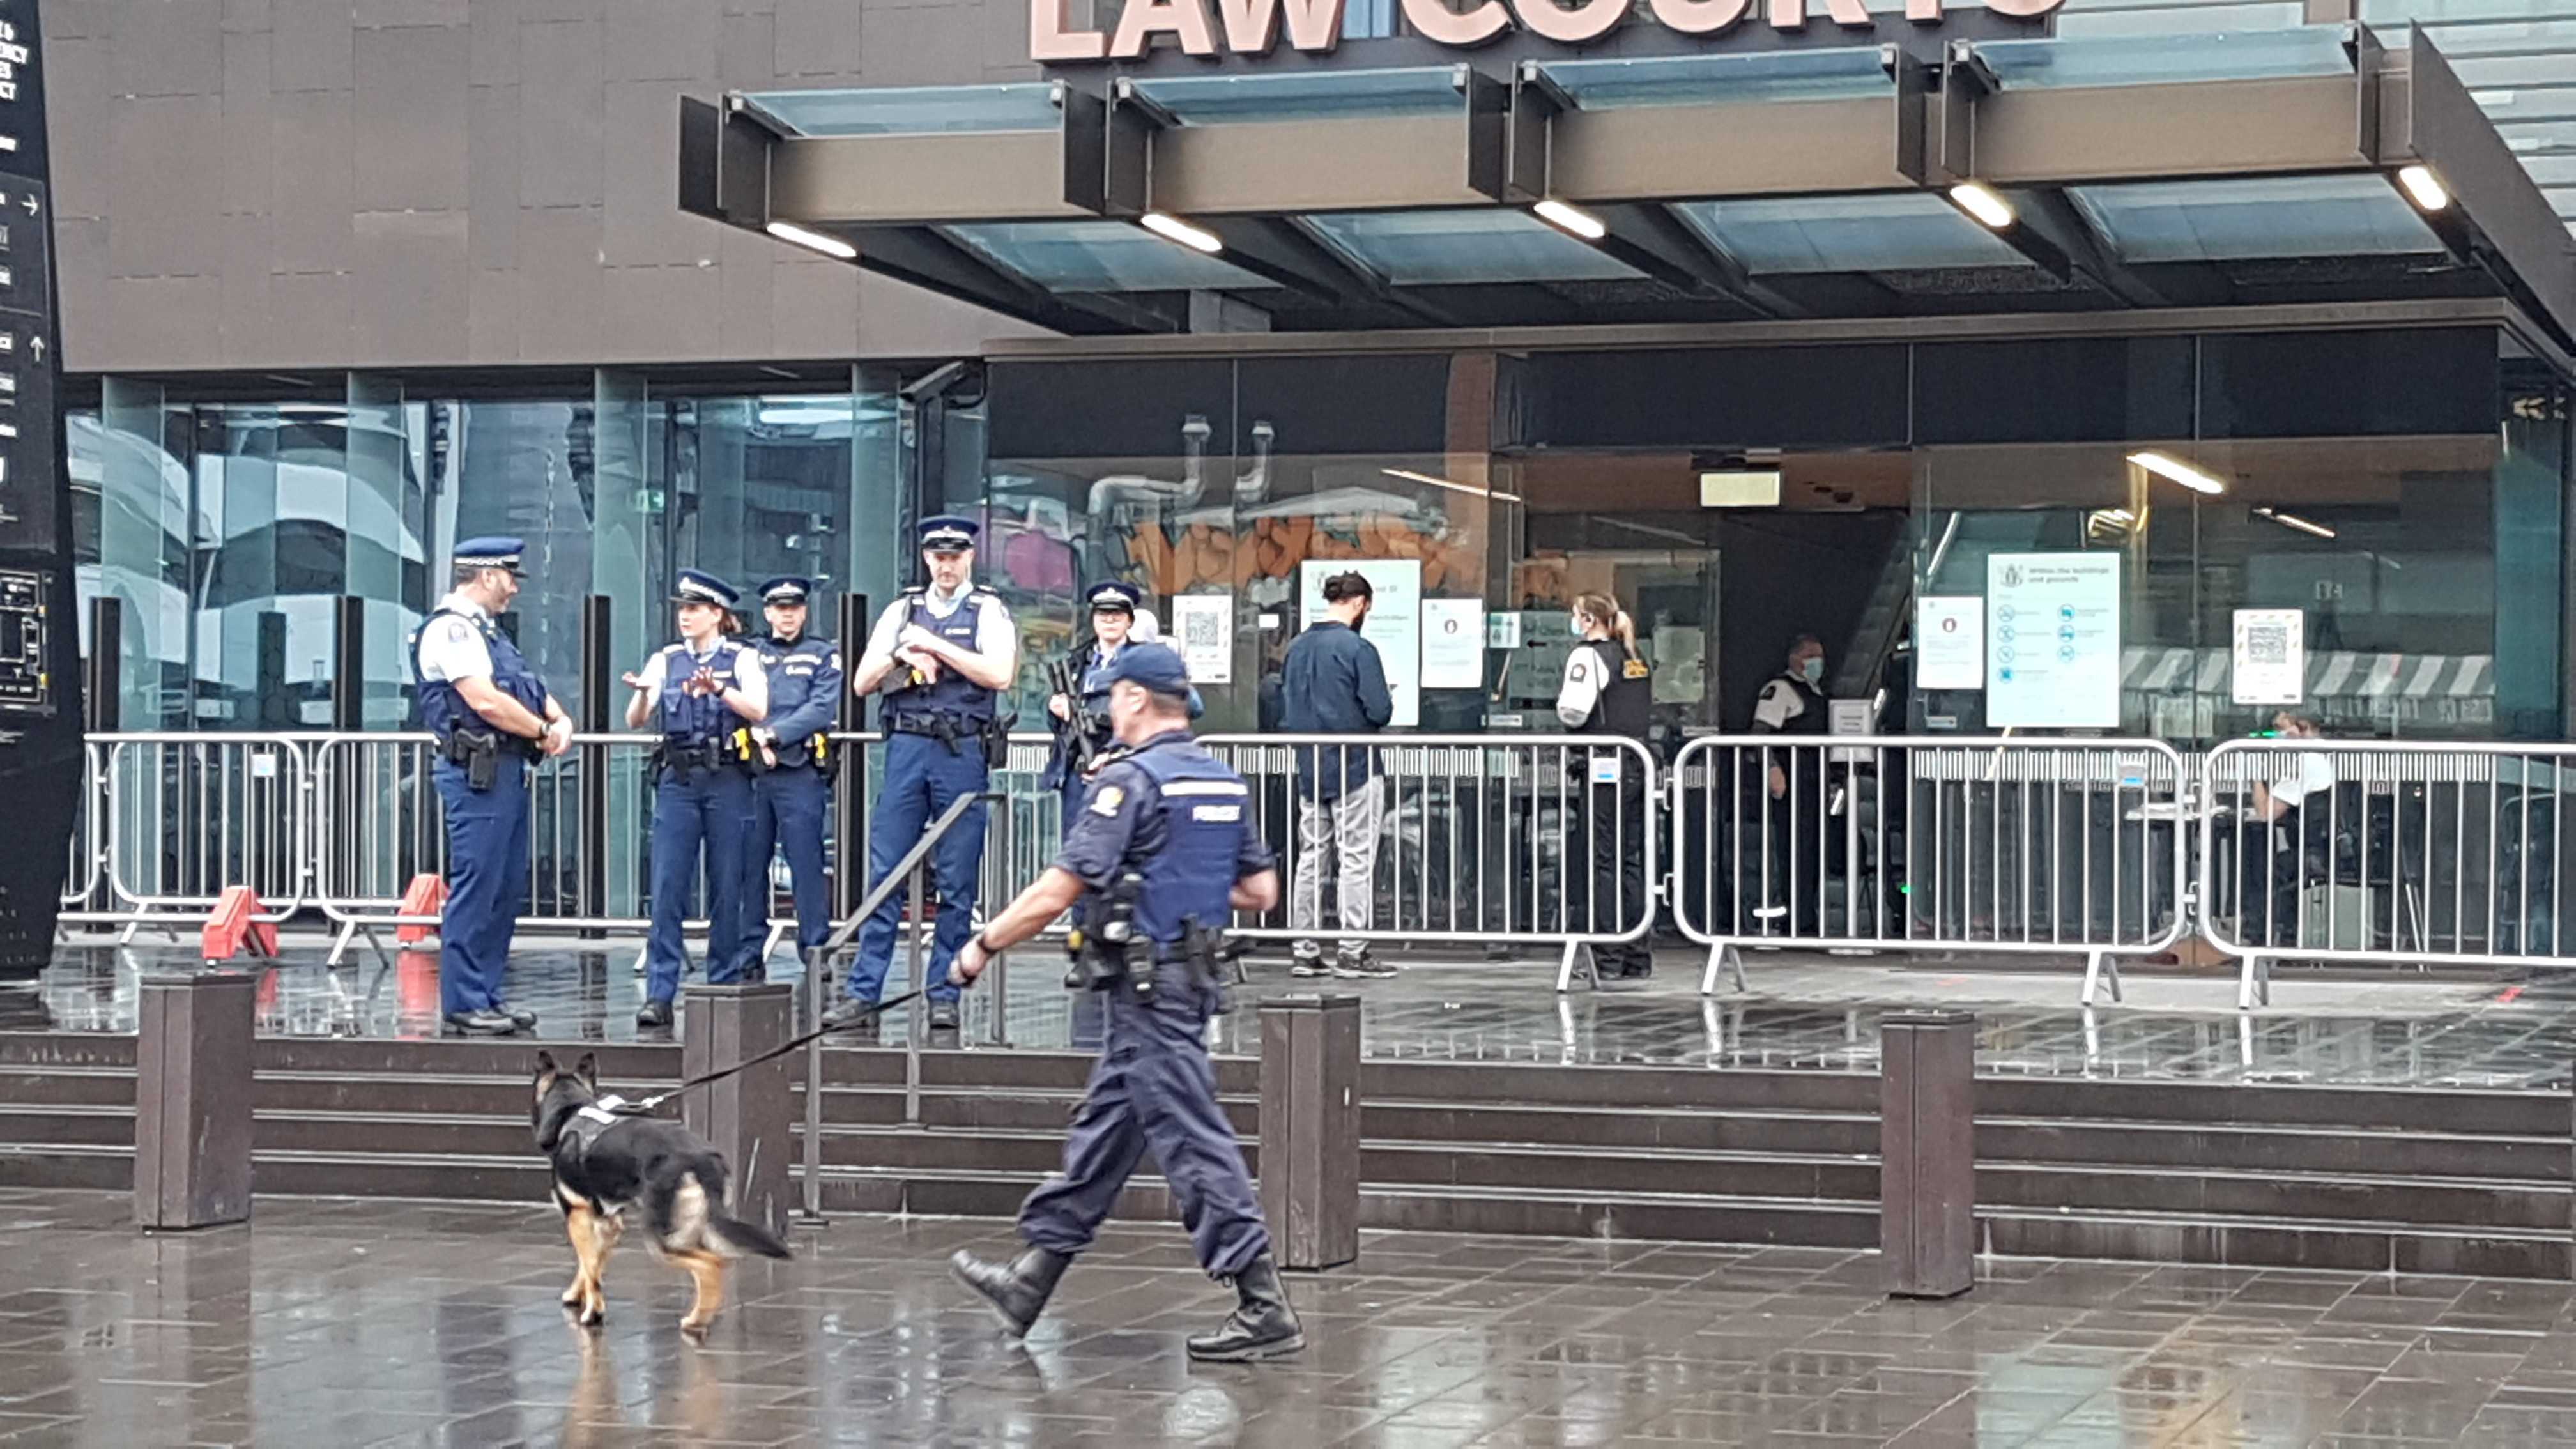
(1310, 1129)
(749, 1117)
(1927, 1152)
(192, 1100)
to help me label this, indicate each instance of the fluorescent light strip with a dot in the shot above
(2424, 187)
(1409, 476)
(2292, 520)
(1172, 228)
(1568, 219)
(830, 246)
(2180, 472)
(1984, 203)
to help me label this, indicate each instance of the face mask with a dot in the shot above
(1814, 670)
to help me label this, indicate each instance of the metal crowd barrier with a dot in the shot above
(1466, 840)
(2385, 853)
(85, 899)
(191, 813)
(1862, 843)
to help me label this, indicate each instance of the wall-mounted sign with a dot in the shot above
(2053, 640)
(1950, 641)
(1394, 620)
(1453, 643)
(1254, 27)
(2270, 658)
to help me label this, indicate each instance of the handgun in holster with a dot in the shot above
(1214, 961)
(479, 751)
(997, 740)
(1103, 948)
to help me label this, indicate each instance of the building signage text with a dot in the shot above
(1255, 27)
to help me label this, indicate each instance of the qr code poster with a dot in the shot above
(2271, 657)
(1203, 630)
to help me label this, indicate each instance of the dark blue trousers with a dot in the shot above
(1153, 1088)
(788, 808)
(708, 812)
(922, 778)
(487, 882)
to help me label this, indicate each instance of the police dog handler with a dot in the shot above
(1165, 832)
(492, 716)
(705, 687)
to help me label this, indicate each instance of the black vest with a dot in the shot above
(1627, 692)
(1817, 717)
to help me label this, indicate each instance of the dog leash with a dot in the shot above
(649, 1104)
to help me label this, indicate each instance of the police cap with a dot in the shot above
(788, 589)
(1154, 666)
(1114, 597)
(492, 551)
(949, 533)
(696, 587)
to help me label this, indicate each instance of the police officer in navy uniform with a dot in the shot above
(791, 792)
(492, 716)
(705, 687)
(1113, 616)
(943, 654)
(1168, 830)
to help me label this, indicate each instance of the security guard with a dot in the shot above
(943, 654)
(1805, 850)
(1609, 691)
(492, 716)
(791, 786)
(706, 686)
(1113, 615)
(1167, 840)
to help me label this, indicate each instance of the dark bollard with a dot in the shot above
(1310, 1129)
(749, 1117)
(192, 1100)
(1927, 1153)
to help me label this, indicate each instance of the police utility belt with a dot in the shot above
(1105, 953)
(746, 750)
(691, 757)
(953, 729)
(480, 753)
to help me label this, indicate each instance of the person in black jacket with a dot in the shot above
(1333, 682)
(1608, 691)
(1803, 849)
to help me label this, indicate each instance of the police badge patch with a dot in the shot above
(1105, 799)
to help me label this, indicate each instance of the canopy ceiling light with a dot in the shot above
(1570, 219)
(1172, 228)
(2292, 520)
(1984, 203)
(2424, 188)
(830, 246)
(2166, 466)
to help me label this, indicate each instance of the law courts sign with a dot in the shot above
(1254, 27)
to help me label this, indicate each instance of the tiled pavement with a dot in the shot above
(2508, 1032)
(332, 1323)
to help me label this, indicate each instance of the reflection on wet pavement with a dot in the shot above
(330, 1323)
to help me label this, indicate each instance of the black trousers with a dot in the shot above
(1609, 829)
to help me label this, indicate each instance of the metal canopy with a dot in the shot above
(1815, 182)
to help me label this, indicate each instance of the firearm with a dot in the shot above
(1214, 961)
(1080, 731)
(1100, 950)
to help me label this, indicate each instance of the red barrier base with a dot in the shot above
(231, 927)
(425, 896)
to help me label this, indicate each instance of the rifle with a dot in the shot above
(1080, 732)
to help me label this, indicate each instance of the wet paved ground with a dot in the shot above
(2511, 1032)
(333, 1323)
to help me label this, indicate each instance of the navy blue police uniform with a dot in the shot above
(1180, 823)
(934, 753)
(791, 799)
(701, 805)
(1091, 702)
(487, 827)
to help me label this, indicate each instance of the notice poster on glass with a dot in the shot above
(2271, 656)
(2053, 640)
(1453, 643)
(1950, 642)
(1394, 621)
(1203, 630)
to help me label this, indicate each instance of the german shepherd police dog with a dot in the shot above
(606, 1163)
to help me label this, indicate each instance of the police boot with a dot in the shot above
(1018, 1289)
(1262, 1324)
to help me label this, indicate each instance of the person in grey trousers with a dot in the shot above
(1333, 682)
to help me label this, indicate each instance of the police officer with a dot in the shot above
(1167, 834)
(492, 716)
(1113, 615)
(705, 687)
(1802, 845)
(942, 654)
(791, 792)
(1609, 690)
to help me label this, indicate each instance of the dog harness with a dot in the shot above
(586, 1125)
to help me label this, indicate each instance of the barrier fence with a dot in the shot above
(2359, 853)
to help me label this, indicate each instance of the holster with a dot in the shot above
(479, 752)
(746, 752)
(1215, 963)
(997, 740)
(1103, 947)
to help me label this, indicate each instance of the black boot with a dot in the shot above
(1018, 1289)
(1262, 1324)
